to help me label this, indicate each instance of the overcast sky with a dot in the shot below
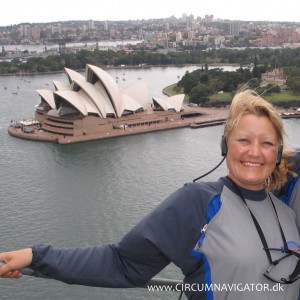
(35, 11)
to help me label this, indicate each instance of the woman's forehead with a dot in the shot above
(255, 125)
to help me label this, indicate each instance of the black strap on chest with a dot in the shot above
(258, 228)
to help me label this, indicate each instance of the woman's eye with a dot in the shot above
(268, 143)
(243, 140)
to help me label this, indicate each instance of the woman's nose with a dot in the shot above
(254, 149)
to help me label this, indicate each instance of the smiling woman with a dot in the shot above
(252, 151)
(227, 233)
(255, 134)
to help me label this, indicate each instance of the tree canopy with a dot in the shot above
(259, 59)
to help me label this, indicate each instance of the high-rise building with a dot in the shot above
(235, 28)
(91, 24)
(36, 33)
(105, 25)
(24, 29)
(178, 37)
(191, 35)
(59, 28)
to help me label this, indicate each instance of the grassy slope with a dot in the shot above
(172, 90)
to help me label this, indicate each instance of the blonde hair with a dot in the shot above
(249, 102)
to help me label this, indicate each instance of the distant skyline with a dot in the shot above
(37, 11)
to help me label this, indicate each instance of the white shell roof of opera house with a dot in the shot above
(97, 93)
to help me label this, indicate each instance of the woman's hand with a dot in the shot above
(14, 261)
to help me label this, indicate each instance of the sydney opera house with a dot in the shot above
(93, 106)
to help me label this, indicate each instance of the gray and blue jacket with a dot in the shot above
(290, 193)
(203, 228)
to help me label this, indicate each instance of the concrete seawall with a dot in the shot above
(209, 117)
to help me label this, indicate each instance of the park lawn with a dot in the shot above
(172, 90)
(283, 96)
(221, 96)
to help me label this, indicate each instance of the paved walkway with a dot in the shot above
(210, 117)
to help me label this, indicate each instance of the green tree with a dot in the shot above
(255, 70)
(200, 94)
(294, 84)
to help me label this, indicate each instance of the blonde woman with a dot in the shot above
(232, 239)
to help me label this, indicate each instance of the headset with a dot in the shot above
(223, 153)
(224, 150)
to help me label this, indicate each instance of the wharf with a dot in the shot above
(209, 117)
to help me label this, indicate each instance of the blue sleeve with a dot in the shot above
(290, 192)
(167, 234)
(285, 194)
(296, 161)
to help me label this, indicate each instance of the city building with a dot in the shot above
(276, 76)
(236, 33)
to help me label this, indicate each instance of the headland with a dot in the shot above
(193, 117)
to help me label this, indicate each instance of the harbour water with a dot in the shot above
(55, 47)
(93, 193)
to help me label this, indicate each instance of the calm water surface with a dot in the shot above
(93, 193)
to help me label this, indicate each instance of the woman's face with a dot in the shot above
(252, 152)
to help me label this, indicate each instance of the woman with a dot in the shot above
(225, 236)
(290, 192)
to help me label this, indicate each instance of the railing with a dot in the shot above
(171, 284)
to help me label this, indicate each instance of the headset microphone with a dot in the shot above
(217, 166)
(224, 150)
(223, 153)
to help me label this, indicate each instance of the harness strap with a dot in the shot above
(258, 228)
